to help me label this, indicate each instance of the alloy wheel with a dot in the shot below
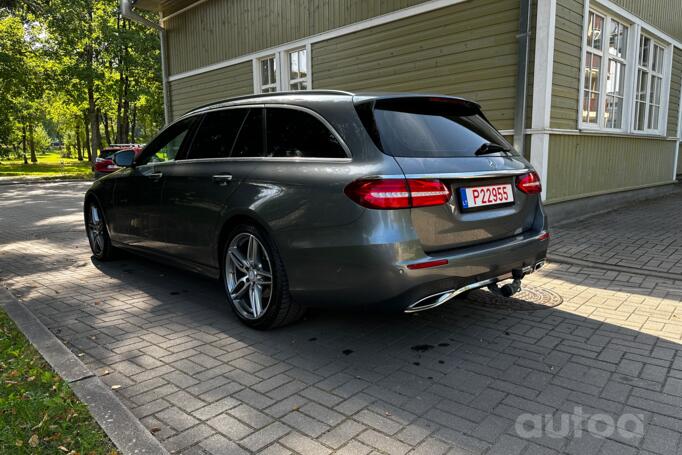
(248, 273)
(96, 231)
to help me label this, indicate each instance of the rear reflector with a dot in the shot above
(543, 236)
(426, 265)
(529, 183)
(398, 193)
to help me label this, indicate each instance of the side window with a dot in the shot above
(292, 133)
(250, 139)
(217, 133)
(167, 145)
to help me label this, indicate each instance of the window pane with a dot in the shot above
(657, 60)
(592, 72)
(654, 112)
(618, 39)
(615, 78)
(640, 97)
(293, 65)
(303, 63)
(268, 71)
(296, 134)
(217, 134)
(298, 86)
(613, 112)
(644, 50)
(167, 144)
(250, 139)
(595, 30)
(430, 129)
(591, 107)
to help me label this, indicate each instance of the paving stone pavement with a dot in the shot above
(455, 380)
(628, 237)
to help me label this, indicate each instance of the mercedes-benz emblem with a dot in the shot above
(491, 163)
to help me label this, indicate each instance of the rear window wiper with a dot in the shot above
(489, 147)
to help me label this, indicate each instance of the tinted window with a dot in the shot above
(250, 139)
(217, 133)
(296, 134)
(167, 145)
(431, 128)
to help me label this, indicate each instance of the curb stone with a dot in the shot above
(122, 427)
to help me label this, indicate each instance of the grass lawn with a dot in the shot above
(39, 414)
(49, 166)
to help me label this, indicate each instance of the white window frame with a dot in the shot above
(259, 75)
(281, 56)
(636, 28)
(649, 70)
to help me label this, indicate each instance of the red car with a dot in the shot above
(104, 164)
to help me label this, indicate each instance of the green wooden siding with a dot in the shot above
(217, 30)
(665, 15)
(675, 93)
(566, 73)
(204, 88)
(466, 50)
(587, 165)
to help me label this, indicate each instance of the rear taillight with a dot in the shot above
(529, 183)
(398, 193)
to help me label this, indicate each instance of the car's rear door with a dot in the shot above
(198, 189)
(450, 140)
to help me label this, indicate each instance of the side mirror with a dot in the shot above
(124, 158)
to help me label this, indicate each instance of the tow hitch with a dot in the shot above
(512, 288)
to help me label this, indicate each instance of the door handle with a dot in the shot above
(222, 179)
(155, 176)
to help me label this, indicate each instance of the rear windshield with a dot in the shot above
(432, 128)
(108, 153)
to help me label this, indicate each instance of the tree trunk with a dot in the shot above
(105, 122)
(95, 139)
(87, 137)
(133, 124)
(23, 141)
(32, 144)
(79, 149)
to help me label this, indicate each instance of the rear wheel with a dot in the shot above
(255, 280)
(98, 235)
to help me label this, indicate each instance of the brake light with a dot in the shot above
(398, 193)
(529, 183)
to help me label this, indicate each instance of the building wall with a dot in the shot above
(231, 28)
(675, 93)
(194, 91)
(566, 75)
(586, 165)
(468, 50)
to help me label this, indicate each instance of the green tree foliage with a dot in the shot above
(78, 70)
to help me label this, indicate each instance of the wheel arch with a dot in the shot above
(234, 219)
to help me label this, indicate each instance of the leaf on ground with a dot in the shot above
(115, 386)
(155, 430)
(33, 440)
(63, 449)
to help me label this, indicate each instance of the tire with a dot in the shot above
(98, 235)
(255, 280)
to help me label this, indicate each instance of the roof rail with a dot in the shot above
(270, 95)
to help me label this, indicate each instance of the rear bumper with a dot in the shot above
(374, 276)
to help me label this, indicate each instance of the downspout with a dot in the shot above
(127, 12)
(522, 75)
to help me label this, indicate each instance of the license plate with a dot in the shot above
(481, 196)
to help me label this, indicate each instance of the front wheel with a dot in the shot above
(98, 235)
(255, 280)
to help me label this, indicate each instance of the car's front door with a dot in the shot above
(138, 215)
(198, 189)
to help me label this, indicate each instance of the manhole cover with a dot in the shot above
(530, 298)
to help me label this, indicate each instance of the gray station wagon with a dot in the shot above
(399, 201)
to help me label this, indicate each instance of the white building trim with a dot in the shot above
(543, 72)
(324, 36)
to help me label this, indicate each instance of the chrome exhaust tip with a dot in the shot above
(539, 265)
(440, 298)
